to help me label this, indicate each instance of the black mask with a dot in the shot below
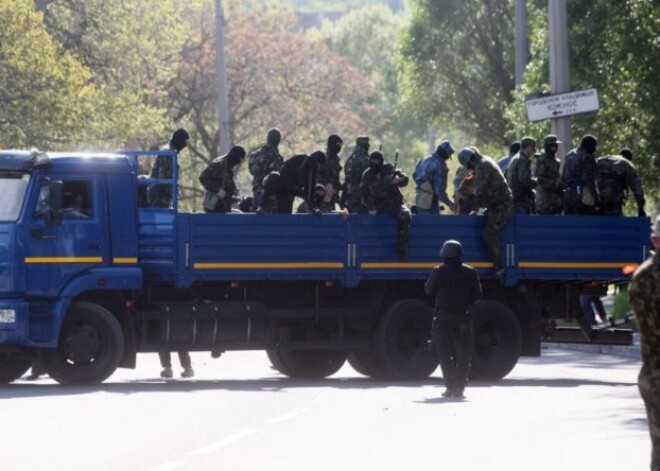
(179, 140)
(550, 149)
(589, 144)
(335, 144)
(376, 160)
(273, 137)
(235, 156)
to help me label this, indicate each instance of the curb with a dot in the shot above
(627, 351)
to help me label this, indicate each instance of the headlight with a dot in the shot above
(7, 316)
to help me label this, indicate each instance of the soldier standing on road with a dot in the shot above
(645, 301)
(381, 195)
(355, 166)
(491, 192)
(615, 174)
(166, 364)
(328, 174)
(519, 177)
(431, 181)
(579, 177)
(218, 181)
(550, 189)
(160, 196)
(456, 288)
(262, 162)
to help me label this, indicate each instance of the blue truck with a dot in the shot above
(89, 278)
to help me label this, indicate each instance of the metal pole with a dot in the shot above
(522, 47)
(40, 5)
(560, 81)
(221, 73)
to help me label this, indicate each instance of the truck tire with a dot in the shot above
(366, 363)
(89, 349)
(400, 343)
(497, 340)
(12, 367)
(306, 363)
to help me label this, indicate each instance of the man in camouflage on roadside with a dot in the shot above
(579, 177)
(519, 177)
(550, 189)
(355, 166)
(491, 192)
(645, 302)
(465, 197)
(262, 162)
(328, 174)
(218, 181)
(615, 174)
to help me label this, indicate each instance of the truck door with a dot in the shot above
(57, 249)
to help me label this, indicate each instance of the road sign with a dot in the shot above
(563, 104)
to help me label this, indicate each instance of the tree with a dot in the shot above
(459, 64)
(131, 48)
(44, 92)
(623, 68)
(277, 77)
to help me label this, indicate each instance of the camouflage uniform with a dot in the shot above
(464, 198)
(356, 165)
(328, 174)
(381, 195)
(645, 302)
(579, 176)
(160, 196)
(491, 192)
(219, 175)
(614, 175)
(550, 189)
(262, 162)
(519, 178)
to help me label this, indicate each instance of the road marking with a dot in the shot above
(225, 442)
(290, 415)
(168, 466)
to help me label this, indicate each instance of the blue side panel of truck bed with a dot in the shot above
(234, 247)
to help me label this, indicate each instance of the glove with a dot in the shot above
(641, 213)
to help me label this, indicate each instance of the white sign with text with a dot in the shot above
(563, 104)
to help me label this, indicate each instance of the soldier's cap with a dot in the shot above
(445, 148)
(551, 139)
(362, 140)
(525, 142)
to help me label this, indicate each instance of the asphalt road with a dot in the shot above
(564, 411)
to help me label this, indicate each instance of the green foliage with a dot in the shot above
(44, 92)
(614, 48)
(459, 64)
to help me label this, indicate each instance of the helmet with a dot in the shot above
(451, 249)
(464, 155)
(445, 149)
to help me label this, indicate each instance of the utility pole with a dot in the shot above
(221, 73)
(560, 80)
(522, 47)
(40, 5)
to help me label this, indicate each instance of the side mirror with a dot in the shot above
(53, 216)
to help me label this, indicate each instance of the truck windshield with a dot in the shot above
(14, 185)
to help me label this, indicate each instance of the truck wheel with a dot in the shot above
(12, 367)
(401, 341)
(365, 363)
(90, 346)
(497, 340)
(307, 363)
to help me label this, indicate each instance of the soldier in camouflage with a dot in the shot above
(160, 196)
(218, 181)
(262, 162)
(615, 174)
(550, 189)
(519, 177)
(465, 197)
(491, 192)
(319, 201)
(381, 195)
(329, 173)
(645, 302)
(579, 177)
(356, 165)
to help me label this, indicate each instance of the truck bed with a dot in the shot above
(181, 248)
